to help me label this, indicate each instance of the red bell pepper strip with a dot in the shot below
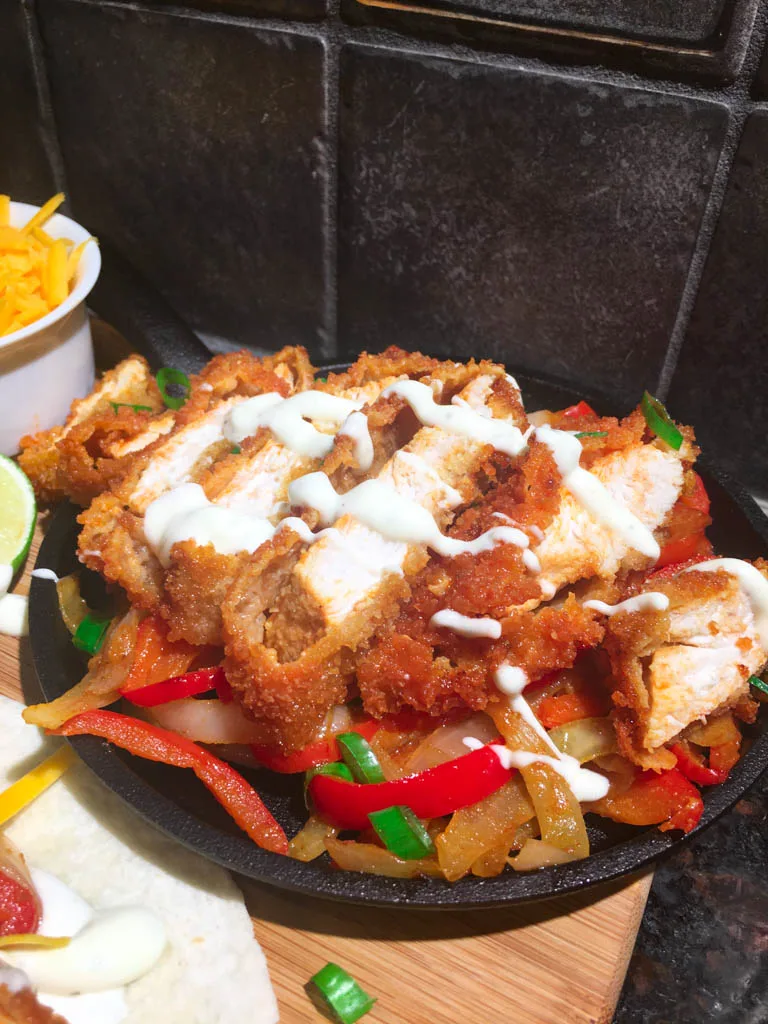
(574, 412)
(694, 769)
(724, 756)
(157, 658)
(430, 794)
(694, 547)
(321, 752)
(235, 795)
(188, 685)
(698, 499)
(667, 799)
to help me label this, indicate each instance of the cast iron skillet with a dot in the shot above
(179, 805)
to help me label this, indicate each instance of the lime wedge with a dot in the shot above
(18, 514)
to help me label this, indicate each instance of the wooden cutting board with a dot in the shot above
(556, 962)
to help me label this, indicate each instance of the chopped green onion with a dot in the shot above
(321, 380)
(359, 757)
(342, 993)
(659, 421)
(236, 449)
(592, 433)
(402, 833)
(758, 683)
(129, 405)
(178, 380)
(335, 768)
(89, 635)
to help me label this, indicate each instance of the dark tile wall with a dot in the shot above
(196, 146)
(528, 216)
(25, 171)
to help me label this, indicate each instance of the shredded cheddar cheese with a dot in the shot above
(37, 272)
(36, 781)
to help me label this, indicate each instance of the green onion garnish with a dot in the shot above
(321, 380)
(178, 380)
(402, 833)
(89, 635)
(359, 757)
(335, 768)
(758, 683)
(236, 449)
(592, 433)
(342, 993)
(659, 421)
(129, 405)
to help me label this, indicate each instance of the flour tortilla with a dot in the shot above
(213, 971)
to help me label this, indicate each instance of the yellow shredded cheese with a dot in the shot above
(32, 939)
(36, 781)
(37, 272)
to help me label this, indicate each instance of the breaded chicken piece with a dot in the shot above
(112, 541)
(76, 460)
(295, 616)
(253, 482)
(679, 666)
(644, 478)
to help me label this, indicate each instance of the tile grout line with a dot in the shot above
(707, 226)
(48, 128)
(740, 106)
(330, 171)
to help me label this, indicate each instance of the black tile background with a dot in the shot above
(25, 172)
(582, 193)
(186, 140)
(507, 212)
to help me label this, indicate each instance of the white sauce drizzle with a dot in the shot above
(591, 493)
(464, 625)
(356, 427)
(395, 517)
(45, 574)
(753, 583)
(6, 575)
(185, 513)
(548, 589)
(458, 418)
(652, 601)
(14, 609)
(583, 783)
(84, 980)
(531, 562)
(287, 419)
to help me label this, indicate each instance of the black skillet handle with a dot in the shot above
(125, 299)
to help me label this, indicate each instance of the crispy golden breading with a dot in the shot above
(112, 541)
(294, 619)
(23, 1008)
(76, 460)
(674, 667)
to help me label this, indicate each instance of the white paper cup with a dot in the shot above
(46, 365)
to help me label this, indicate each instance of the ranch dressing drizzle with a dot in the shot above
(45, 574)
(583, 783)
(356, 427)
(395, 517)
(287, 419)
(185, 513)
(466, 626)
(652, 601)
(593, 495)
(753, 583)
(458, 418)
(13, 607)
(84, 980)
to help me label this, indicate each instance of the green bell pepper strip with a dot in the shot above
(758, 683)
(342, 993)
(359, 758)
(659, 421)
(402, 833)
(89, 635)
